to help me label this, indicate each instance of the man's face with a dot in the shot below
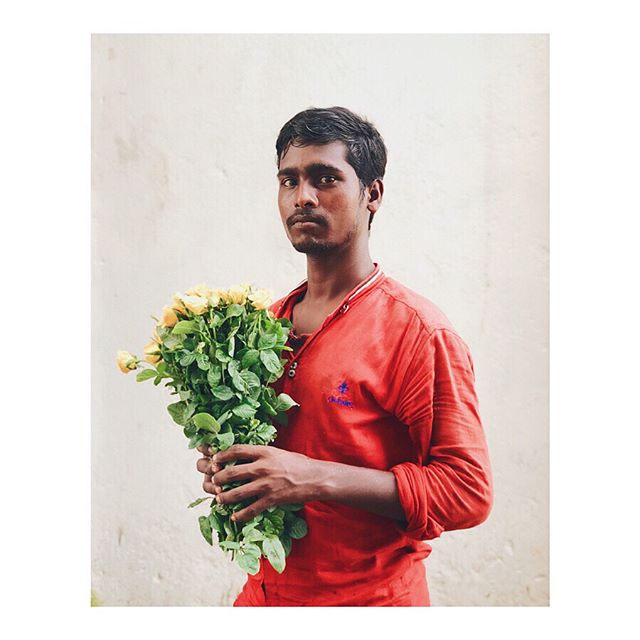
(316, 183)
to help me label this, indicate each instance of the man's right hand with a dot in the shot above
(204, 465)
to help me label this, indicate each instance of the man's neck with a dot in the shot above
(330, 278)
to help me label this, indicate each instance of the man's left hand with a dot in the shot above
(274, 476)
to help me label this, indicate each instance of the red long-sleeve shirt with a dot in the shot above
(384, 383)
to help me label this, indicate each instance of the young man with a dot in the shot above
(386, 449)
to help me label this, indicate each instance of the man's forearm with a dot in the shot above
(369, 489)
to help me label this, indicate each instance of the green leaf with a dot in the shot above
(222, 392)
(145, 374)
(276, 518)
(205, 528)
(232, 346)
(207, 422)
(199, 501)
(196, 441)
(286, 544)
(254, 536)
(228, 545)
(209, 438)
(190, 430)
(238, 381)
(187, 359)
(184, 326)
(267, 341)
(177, 411)
(234, 310)
(184, 394)
(266, 432)
(248, 562)
(221, 356)
(225, 440)
(215, 523)
(171, 342)
(250, 379)
(232, 368)
(252, 549)
(298, 528)
(203, 361)
(214, 375)
(161, 367)
(264, 403)
(292, 507)
(189, 410)
(285, 402)
(250, 358)
(273, 549)
(271, 361)
(244, 411)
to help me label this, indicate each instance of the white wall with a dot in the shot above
(184, 190)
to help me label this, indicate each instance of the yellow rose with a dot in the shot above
(169, 317)
(237, 295)
(196, 304)
(261, 299)
(151, 352)
(155, 337)
(177, 305)
(201, 290)
(126, 361)
(214, 298)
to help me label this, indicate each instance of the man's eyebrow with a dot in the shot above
(315, 167)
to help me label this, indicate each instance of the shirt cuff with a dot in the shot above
(413, 495)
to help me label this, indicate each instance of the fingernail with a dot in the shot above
(218, 499)
(214, 458)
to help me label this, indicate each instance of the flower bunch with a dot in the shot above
(220, 352)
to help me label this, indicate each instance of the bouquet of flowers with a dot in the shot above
(220, 350)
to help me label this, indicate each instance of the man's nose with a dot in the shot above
(306, 195)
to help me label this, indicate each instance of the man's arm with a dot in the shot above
(449, 485)
(275, 476)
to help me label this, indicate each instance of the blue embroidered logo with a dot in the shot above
(345, 402)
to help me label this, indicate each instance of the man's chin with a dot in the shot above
(313, 248)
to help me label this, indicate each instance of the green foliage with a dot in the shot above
(273, 549)
(221, 364)
(146, 374)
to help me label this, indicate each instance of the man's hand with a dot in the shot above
(273, 476)
(204, 465)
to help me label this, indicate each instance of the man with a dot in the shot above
(386, 449)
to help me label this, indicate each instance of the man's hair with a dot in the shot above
(366, 151)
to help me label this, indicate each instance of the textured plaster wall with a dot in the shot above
(184, 190)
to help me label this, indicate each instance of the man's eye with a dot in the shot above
(285, 181)
(327, 179)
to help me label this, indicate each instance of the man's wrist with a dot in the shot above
(321, 485)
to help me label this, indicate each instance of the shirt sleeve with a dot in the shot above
(449, 485)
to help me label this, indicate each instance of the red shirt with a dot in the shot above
(385, 383)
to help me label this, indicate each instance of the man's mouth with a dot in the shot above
(303, 223)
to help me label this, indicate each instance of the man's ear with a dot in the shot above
(375, 191)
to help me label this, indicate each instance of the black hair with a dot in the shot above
(366, 151)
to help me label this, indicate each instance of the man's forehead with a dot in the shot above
(300, 157)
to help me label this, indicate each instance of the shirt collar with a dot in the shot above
(364, 286)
